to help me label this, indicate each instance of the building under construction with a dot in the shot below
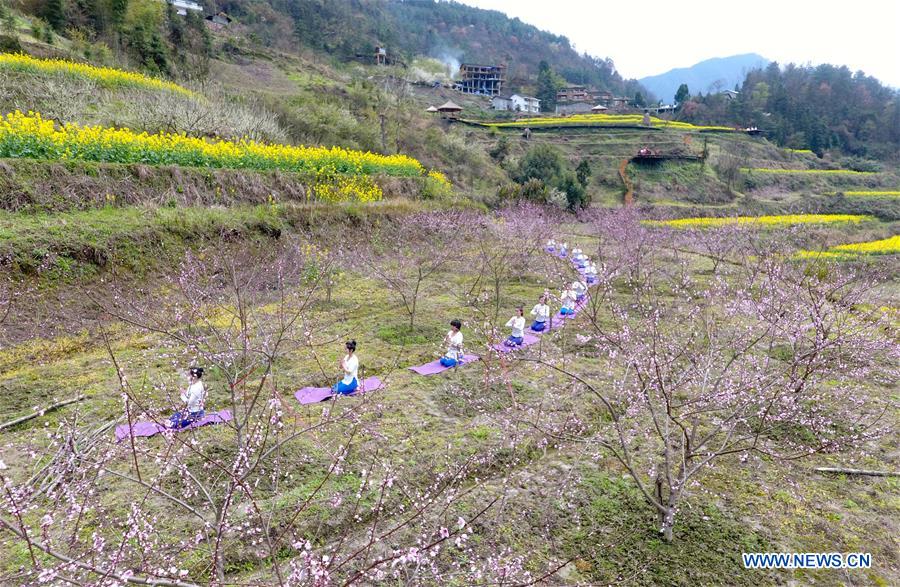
(486, 80)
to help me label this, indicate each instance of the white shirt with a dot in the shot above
(517, 323)
(454, 350)
(576, 251)
(193, 395)
(351, 366)
(568, 299)
(540, 312)
(579, 288)
(591, 269)
(551, 242)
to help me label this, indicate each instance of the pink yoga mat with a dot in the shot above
(312, 395)
(436, 367)
(528, 340)
(152, 428)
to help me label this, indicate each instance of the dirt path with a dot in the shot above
(629, 187)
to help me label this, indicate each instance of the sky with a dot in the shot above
(651, 37)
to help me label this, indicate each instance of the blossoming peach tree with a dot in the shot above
(282, 494)
(762, 357)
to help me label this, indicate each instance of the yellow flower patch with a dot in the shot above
(603, 120)
(874, 194)
(760, 221)
(105, 76)
(29, 135)
(806, 171)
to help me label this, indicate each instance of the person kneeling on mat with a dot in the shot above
(454, 341)
(551, 245)
(517, 323)
(193, 396)
(541, 313)
(350, 366)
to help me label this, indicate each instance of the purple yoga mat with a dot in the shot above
(152, 428)
(436, 367)
(529, 339)
(312, 395)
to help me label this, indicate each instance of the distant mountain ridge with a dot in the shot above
(717, 73)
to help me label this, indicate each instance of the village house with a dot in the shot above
(182, 6)
(486, 80)
(516, 103)
(218, 21)
(729, 94)
(573, 107)
(574, 94)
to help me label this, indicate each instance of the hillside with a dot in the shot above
(739, 333)
(718, 73)
(448, 31)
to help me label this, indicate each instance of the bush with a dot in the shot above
(543, 162)
(10, 44)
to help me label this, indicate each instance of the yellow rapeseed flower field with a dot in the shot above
(105, 76)
(602, 120)
(758, 221)
(885, 246)
(874, 194)
(29, 135)
(807, 171)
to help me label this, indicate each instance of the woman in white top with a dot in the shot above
(551, 245)
(193, 397)
(590, 272)
(517, 323)
(350, 367)
(568, 302)
(541, 313)
(454, 342)
(580, 288)
(564, 249)
(581, 259)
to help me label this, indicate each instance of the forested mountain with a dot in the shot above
(819, 108)
(450, 30)
(709, 75)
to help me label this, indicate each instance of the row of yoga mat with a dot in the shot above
(312, 395)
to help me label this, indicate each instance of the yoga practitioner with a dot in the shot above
(193, 396)
(590, 273)
(551, 245)
(580, 288)
(350, 366)
(517, 323)
(541, 313)
(568, 302)
(564, 249)
(454, 342)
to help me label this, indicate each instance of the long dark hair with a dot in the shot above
(351, 346)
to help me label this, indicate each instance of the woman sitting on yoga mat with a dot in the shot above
(517, 323)
(581, 259)
(551, 245)
(568, 302)
(590, 273)
(350, 366)
(193, 396)
(454, 341)
(580, 288)
(541, 313)
(564, 249)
